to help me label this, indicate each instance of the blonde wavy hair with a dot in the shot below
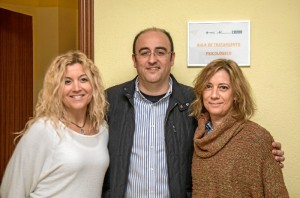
(243, 106)
(49, 105)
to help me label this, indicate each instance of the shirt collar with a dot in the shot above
(208, 127)
(169, 92)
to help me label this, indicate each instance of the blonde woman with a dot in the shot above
(63, 148)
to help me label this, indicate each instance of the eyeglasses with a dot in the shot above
(158, 53)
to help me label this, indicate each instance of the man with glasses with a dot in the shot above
(150, 130)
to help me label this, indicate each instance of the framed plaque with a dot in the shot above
(211, 40)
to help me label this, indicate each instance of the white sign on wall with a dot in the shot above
(211, 40)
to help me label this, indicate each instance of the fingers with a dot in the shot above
(281, 165)
(278, 153)
(279, 159)
(276, 145)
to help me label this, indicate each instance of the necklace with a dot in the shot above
(80, 127)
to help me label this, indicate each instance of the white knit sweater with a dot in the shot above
(45, 164)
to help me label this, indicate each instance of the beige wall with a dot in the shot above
(54, 31)
(274, 73)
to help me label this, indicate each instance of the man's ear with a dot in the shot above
(172, 58)
(133, 60)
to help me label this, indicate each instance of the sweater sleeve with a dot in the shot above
(23, 171)
(274, 185)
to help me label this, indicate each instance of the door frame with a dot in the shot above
(86, 27)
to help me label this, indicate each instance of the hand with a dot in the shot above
(278, 153)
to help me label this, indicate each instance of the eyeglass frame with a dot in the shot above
(155, 53)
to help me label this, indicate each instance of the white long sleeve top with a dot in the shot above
(45, 164)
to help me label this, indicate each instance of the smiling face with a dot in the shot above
(77, 89)
(218, 95)
(153, 69)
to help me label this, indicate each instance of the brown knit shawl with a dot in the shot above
(209, 145)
